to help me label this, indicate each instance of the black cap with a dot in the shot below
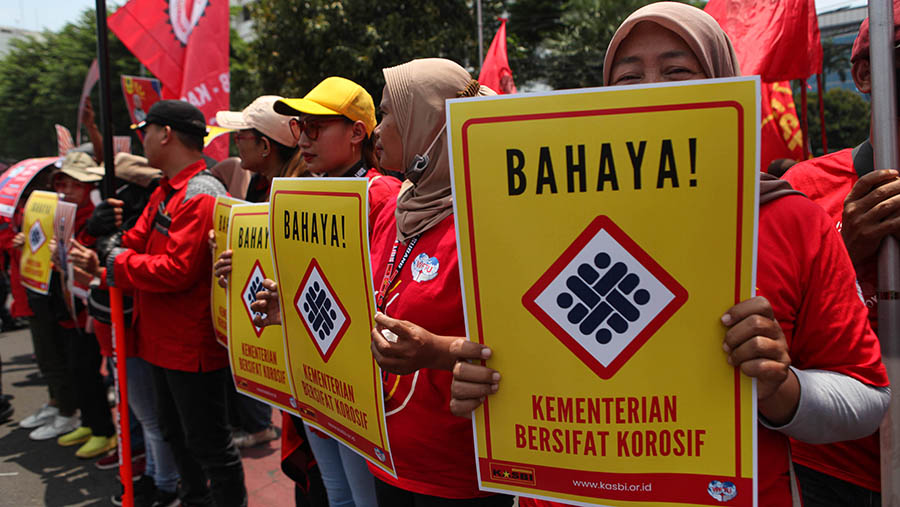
(178, 114)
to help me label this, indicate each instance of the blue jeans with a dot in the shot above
(346, 476)
(142, 401)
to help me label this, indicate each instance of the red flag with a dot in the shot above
(779, 40)
(184, 43)
(780, 136)
(64, 141)
(495, 71)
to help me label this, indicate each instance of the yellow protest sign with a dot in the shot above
(602, 233)
(321, 255)
(258, 358)
(218, 295)
(36, 267)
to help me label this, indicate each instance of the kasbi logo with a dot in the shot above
(512, 474)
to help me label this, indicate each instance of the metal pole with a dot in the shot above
(115, 294)
(480, 37)
(884, 143)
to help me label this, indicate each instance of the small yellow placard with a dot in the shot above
(602, 233)
(219, 295)
(258, 357)
(36, 267)
(321, 256)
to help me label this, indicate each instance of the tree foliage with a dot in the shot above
(846, 119)
(40, 84)
(299, 43)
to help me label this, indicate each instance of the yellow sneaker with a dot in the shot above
(79, 436)
(95, 446)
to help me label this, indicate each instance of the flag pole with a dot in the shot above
(884, 142)
(480, 37)
(115, 294)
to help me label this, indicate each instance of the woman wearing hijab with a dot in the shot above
(805, 339)
(414, 262)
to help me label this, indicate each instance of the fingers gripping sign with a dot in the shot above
(755, 343)
(266, 309)
(472, 382)
(84, 258)
(871, 212)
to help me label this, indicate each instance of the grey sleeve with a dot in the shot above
(834, 407)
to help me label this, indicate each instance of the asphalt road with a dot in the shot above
(40, 473)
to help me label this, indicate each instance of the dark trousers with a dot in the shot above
(51, 353)
(390, 496)
(247, 413)
(84, 370)
(823, 490)
(193, 417)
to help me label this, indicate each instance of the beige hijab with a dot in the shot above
(418, 90)
(233, 176)
(710, 45)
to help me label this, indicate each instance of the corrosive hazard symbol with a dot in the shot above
(320, 310)
(248, 295)
(36, 237)
(604, 297)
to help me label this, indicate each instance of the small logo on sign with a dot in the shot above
(379, 454)
(722, 491)
(292, 401)
(36, 237)
(512, 474)
(184, 16)
(424, 268)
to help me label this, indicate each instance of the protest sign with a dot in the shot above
(321, 255)
(16, 179)
(63, 232)
(140, 93)
(602, 233)
(40, 210)
(257, 354)
(218, 295)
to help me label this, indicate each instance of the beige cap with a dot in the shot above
(261, 116)
(79, 165)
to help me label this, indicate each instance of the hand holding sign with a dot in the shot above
(84, 258)
(266, 310)
(222, 267)
(471, 382)
(755, 343)
(18, 240)
(413, 349)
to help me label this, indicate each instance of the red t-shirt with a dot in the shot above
(827, 181)
(805, 273)
(433, 450)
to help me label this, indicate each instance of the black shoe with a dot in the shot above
(6, 410)
(144, 493)
(166, 499)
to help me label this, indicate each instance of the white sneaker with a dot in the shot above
(43, 416)
(59, 426)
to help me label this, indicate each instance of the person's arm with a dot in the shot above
(402, 347)
(184, 262)
(87, 119)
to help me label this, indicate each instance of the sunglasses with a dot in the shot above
(312, 127)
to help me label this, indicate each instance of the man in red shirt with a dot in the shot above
(165, 259)
(863, 205)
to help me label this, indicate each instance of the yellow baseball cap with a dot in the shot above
(333, 96)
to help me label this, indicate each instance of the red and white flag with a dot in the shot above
(63, 140)
(185, 44)
(90, 80)
(495, 72)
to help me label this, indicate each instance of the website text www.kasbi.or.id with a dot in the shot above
(643, 487)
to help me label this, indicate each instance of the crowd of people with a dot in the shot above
(807, 338)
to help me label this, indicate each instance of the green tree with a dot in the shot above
(846, 119)
(298, 44)
(40, 84)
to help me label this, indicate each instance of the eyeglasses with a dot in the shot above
(311, 126)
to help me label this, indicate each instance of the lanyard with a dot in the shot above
(391, 274)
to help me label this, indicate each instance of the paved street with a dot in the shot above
(43, 473)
